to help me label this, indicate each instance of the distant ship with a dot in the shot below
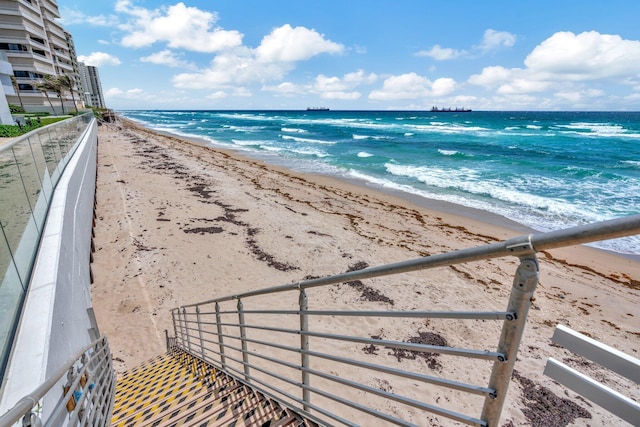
(317, 109)
(449, 110)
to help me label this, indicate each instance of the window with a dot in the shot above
(27, 74)
(37, 39)
(13, 47)
(23, 86)
(39, 52)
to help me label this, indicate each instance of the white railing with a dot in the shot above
(605, 356)
(276, 341)
(85, 399)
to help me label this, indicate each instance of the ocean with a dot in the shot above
(544, 170)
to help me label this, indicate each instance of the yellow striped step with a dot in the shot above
(178, 389)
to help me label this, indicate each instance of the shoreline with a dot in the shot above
(179, 221)
(444, 207)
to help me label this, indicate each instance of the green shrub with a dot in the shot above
(16, 109)
(48, 120)
(12, 131)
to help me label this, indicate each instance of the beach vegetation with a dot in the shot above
(46, 85)
(11, 131)
(64, 82)
(16, 89)
(16, 109)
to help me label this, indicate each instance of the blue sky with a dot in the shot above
(361, 54)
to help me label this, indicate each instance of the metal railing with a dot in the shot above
(85, 396)
(30, 167)
(320, 372)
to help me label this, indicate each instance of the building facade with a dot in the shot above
(6, 88)
(37, 45)
(90, 82)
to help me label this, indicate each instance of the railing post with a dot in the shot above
(173, 320)
(524, 285)
(181, 328)
(200, 331)
(186, 328)
(243, 338)
(304, 347)
(223, 360)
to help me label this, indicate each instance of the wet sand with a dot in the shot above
(178, 223)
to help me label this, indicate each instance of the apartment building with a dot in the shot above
(36, 44)
(90, 82)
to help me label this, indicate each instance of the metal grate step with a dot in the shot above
(177, 389)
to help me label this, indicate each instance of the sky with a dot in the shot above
(361, 54)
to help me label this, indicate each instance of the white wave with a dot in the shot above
(250, 142)
(307, 140)
(293, 130)
(308, 152)
(354, 136)
(450, 128)
(604, 130)
(448, 152)
(272, 148)
(409, 134)
(246, 129)
(635, 163)
(534, 127)
(364, 154)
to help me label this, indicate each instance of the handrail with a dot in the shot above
(619, 227)
(24, 406)
(221, 336)
(31, 164)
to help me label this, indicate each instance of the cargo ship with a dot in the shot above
(450, 110)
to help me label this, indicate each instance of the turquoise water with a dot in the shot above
(545, 170)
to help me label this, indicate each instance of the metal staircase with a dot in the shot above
(179, 389)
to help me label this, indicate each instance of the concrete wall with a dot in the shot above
(57, 320)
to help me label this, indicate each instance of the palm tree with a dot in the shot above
(65, 82)
(54, 86)
(16, 88)
(45, 85)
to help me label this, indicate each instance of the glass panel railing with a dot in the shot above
(30, 167)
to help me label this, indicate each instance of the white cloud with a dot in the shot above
(585, 56)
(287, 44)
(272, 60)
(442, 54)
(285, 88)
(112, 92)
(115, 92)
(405, 86)
(342, 88)
(168, 58)
(348, 81)
(524, 85)
(565, 62)
(581, 96)
(75, 17)
(99, 59)
(220, 94)
(491, 76)
(242, 92)
(179, 26)
(443, 86)
(341, 95)
(493, 40)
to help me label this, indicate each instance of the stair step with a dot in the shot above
(178, 389)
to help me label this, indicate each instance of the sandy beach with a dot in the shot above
(178, 222)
